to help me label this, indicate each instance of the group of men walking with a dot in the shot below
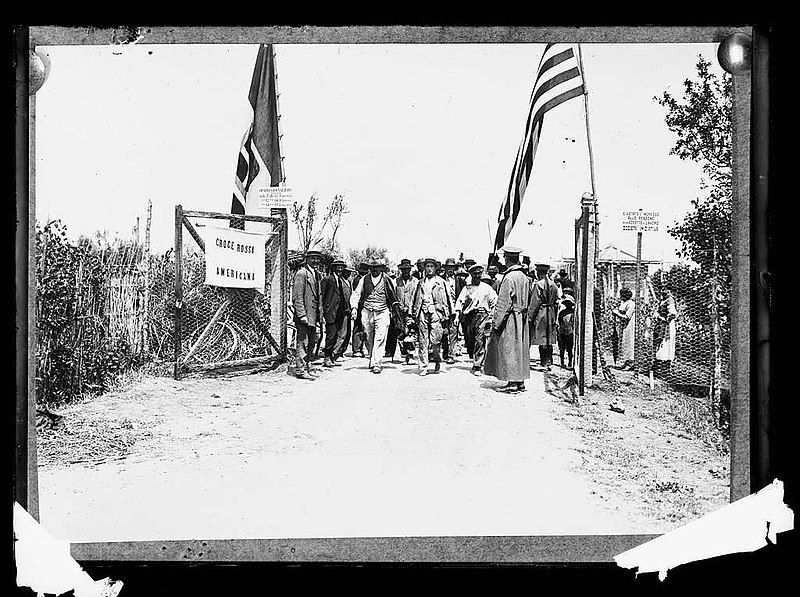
(426, 310)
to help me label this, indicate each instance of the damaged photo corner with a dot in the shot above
(179, 407)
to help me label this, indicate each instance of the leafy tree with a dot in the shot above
(311, 230)
(356, 256)
(701, 119)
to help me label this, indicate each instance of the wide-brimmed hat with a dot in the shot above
(336, 262)
(475, 267)
(428, 260)
(363, 265)
(469, 262)
(313, 253)
(405, 264)
(450, 261)
(374, 263)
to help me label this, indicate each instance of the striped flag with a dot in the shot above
(259, 154)
(558, 79)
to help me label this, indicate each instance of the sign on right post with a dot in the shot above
(640, 221)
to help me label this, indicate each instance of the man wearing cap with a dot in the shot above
(454, 285)
(307, 313)
(420, 271)
(359, 335)
(543, 313)
(373, 298)
(494, 280)
(335, 310)
(475, 307)
(566, 282)
(508, 348)
(406, 287)
(430, 307)
(347, 290)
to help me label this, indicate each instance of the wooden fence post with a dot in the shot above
(178, 287)
(146, 297)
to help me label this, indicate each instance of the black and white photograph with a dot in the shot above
(342, 290)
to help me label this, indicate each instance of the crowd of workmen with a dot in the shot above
(428, 309)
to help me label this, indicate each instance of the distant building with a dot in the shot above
(616, 268)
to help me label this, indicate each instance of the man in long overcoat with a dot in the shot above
(543, 312)
(335, 310)
(307, 313)
(508, 349)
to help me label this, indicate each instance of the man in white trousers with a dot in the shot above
(373, 298)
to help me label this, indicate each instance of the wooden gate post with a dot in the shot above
(178, 287)
(587, 271)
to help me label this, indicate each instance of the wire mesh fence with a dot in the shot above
(684, 319)
(221, 327)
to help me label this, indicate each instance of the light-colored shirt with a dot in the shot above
(376, 301)
(427, 294)
(405, 292)
(474, 298)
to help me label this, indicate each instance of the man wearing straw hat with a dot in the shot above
(307, 313)
(373, 298)
(476, 305)
(430, 307)
(335, 310)
(508, 348)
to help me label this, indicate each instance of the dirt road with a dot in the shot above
(350, 454)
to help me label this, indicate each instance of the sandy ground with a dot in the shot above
(356, 454)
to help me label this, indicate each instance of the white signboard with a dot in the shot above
(640, 221)
(269, 197)
(234, 258)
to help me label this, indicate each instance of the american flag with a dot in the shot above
(558, 79)
(259, 154)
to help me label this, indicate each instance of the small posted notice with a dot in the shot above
(640, 221)
(269, 197)
(234, 258)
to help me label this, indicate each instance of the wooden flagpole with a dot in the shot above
(591, 155)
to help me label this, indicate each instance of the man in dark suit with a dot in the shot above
(344, 334)
(359, 335)
(335, 309)
(307, 313)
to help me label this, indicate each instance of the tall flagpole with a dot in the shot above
(278, 111)
(591, 156)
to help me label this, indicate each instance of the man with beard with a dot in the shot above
(475, 305)
(374, 298)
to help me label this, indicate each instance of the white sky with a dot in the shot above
(420, 138)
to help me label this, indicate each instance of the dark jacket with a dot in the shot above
(334, 302)
(305, 296)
